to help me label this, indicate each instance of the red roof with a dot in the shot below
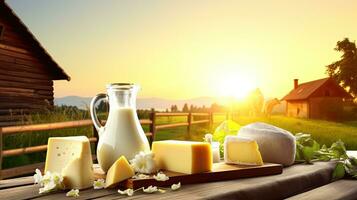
(59, 73)
(305, 90)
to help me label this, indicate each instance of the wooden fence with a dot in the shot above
(153, 128)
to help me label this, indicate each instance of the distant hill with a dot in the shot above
(142, 103)
(160, 104)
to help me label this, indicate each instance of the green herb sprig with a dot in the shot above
(309, 151)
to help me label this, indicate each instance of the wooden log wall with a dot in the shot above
(26, 83)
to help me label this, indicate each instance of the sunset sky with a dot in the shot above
(185, 49)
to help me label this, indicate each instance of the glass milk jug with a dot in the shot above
(122, 133)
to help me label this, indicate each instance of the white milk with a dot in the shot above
(215, 152)
(121, 135)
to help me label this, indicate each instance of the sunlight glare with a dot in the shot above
(237, 86)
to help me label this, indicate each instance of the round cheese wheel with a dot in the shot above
(276, 145)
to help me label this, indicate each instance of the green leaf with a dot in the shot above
(351, 166)
(339, 171)
(306, 147)
(353, 160)
(309, 150)
(339, 150)
(227, 127)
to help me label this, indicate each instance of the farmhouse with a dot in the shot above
(319, 99)
(27, 71)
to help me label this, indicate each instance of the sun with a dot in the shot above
(237, 86)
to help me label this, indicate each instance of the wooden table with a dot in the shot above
(297, 182)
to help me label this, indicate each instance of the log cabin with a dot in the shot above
(27, 71)
(318, 99)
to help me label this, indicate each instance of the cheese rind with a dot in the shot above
(119, 171)
(183, 156)
(71, 157)
(243, 151)
(275, 144)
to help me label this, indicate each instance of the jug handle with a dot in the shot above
(93, 114)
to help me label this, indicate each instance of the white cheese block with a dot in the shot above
(276, 145)
(71, 157)
(243, 151)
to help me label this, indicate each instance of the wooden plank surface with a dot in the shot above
(342, 189)
(16, 182)
(294, 180)
(220, 172)
(22, 170)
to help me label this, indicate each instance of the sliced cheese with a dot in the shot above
(183, 156)
(119, 171)
(275, 144)
(239, 150)
(71, 157)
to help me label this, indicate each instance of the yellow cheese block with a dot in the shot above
(239, 150)
(119, 171)
(183, 156)
(71, 157)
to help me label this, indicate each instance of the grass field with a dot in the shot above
(323, 131)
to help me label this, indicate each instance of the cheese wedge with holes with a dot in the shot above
(240, 150)
(71, 157)
(183, 156)
(119, 171)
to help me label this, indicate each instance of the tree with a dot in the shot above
(103, 106)
(174, 108)
(192, 108)
(185, 108)
(344, 71)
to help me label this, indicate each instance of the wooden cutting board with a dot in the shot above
(220, 172)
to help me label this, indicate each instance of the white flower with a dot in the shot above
(48, 187)
(161, 177)
(73, 193)
(49, 182)
(57, 178)
(161, 190)
(46, 178)
(37, 176)
(98, 184)
(208, 138)
(140, 176)
(128, 192)
(144, 163)
(150, 189)
(42, 191)
(176, 186)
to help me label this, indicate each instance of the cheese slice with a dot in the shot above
(240, 150)
(71, 157)
(119, 171)
(183, 156)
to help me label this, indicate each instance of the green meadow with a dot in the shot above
(324, 132)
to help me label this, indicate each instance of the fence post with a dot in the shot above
(189, 121)
(210, 118)
(153, 124)
(1, 147)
